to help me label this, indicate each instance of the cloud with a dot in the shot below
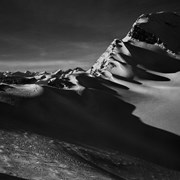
(28, 48)
(46, 30)
(50, 65)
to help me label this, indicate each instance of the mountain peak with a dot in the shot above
(161, 29)
(153, 43)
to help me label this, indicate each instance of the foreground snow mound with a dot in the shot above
(126, 102)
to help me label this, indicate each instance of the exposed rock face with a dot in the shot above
(141, 35)
(160, 29)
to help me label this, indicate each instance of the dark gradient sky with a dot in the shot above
(34, 32)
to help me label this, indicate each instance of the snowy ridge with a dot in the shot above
(158, 33)
(111, 62)
(59, 78)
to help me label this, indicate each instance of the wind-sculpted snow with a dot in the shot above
(125, 107)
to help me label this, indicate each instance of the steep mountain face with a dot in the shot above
(161, 29)
(152, 43)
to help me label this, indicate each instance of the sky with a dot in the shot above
(53, 34)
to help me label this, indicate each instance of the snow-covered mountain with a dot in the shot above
(153, 43)
(117, 120)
